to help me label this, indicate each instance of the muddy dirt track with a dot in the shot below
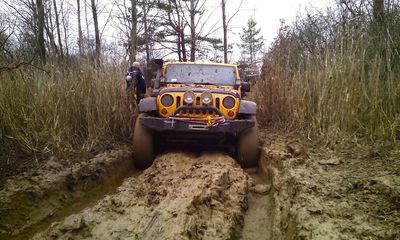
(180, 197)
(300, 191)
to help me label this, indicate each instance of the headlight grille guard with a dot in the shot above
(210, 120)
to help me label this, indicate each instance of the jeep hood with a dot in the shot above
(202, 88)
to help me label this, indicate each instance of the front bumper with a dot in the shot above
(165, 124)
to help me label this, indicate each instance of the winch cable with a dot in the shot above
(209, 120)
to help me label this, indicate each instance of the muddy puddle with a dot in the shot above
(260, 206)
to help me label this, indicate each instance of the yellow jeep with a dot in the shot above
(198, 105)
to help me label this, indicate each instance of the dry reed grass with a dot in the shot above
(334, 78)
(68, 110)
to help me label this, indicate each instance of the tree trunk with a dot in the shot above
(87, 22)
(225, 29)
(192, 31)
(179, 47)
(40, 31)
(65, 34)
(97, 33)
(58, 29)
(146, 34)
(178, 26)
(49, 26)
(80, 35)
(379, 16)
(133, 39)
(252, 54)
(182, 35)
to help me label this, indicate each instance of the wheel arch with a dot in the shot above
(148, 105)
(247, 108)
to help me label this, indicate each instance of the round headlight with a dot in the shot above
(228, 102)
(206, 98)
(189, 97)
(167, 100)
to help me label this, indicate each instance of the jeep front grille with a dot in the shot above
(197, 109)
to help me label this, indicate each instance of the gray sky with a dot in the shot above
(268, 15)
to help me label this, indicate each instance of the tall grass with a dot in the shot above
(68, 110)
(335, 75)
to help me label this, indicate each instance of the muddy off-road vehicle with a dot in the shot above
(198, 105)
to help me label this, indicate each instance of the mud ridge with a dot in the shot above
(30, 202)
(318, 193)
(182, 196)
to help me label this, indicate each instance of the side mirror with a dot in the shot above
(159, 63)
(245, 87)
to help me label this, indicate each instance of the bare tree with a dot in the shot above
(193, 29)
(80, 35)
(137, 33)
(197, 7)
(133, 36)
(96, 33)
(379, 15)
(40, 30)
(49, 26)
(146, 9)
(175, 19)
(200, 28)
(58, 29)
(188, 22)
(225, 29)
(64, 20)
(225, 26)
(87, 21)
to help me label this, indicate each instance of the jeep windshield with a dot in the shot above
(201, 74)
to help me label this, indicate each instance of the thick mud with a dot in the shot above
(299, 191)
(319, 193)
(182, 196)
(258, 220)
(32, 201)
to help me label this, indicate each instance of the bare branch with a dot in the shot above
(237, 11)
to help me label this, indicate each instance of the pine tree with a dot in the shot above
(252, 41)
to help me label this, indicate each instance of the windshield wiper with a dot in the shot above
(207, 83)
(176, 83)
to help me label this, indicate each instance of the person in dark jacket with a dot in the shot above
(135, 79)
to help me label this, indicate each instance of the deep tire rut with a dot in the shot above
(182, 196)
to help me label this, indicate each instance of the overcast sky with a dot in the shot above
(267, 14)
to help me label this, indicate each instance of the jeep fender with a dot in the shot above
(147, 105)
(248, 107)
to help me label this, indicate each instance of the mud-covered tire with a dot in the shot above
(143, 145)
(248, 147)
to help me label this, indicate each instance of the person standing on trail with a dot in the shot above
(135, 79)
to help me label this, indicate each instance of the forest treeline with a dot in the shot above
(39, 31)
(336, 73)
